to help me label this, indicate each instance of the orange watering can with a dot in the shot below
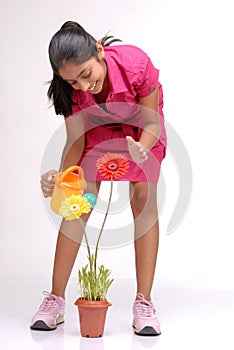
(67, 183)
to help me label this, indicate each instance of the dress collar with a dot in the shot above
(117, 83)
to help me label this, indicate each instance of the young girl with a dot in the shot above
(111, 100)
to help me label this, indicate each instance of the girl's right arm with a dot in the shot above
(72, 152)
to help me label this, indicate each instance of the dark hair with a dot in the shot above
(71, 43)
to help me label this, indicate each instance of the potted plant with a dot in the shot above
(94, 280)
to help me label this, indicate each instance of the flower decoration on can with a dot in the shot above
(74, 206)
(112, 166)
(91, 198)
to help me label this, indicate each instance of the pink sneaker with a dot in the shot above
(50, 313)
(145, 321)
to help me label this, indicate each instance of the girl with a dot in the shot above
(111, 100)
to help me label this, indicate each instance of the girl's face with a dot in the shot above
(87, 76)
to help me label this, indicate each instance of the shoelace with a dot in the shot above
(144, 307)
(49, 303)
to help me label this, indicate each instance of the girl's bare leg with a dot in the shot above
(68, 244)
(144, 208)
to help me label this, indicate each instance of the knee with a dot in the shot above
(144, 202)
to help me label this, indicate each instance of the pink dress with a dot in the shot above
(131, 75)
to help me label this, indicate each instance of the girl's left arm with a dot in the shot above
(151, 128)
(151, 122)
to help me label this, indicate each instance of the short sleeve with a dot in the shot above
(147, 80)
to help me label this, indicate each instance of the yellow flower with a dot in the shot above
(74, 206)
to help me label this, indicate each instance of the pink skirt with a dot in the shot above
(111, 138)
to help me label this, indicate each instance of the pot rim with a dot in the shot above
(92, 303)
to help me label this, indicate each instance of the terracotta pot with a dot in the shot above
(92, 316)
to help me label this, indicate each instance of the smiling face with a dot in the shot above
(87, 76)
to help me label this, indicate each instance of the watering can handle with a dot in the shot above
(71, 169)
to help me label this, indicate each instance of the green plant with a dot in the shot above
(94, 287)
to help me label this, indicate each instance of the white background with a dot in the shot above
(191, 43)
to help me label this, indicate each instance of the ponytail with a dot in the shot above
(60, 92)
(105, 41)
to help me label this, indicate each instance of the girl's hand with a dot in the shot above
(47, 183)
(137, 150)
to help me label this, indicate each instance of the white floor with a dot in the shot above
(192, 315)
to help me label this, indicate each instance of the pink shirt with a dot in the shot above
(131, 75)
